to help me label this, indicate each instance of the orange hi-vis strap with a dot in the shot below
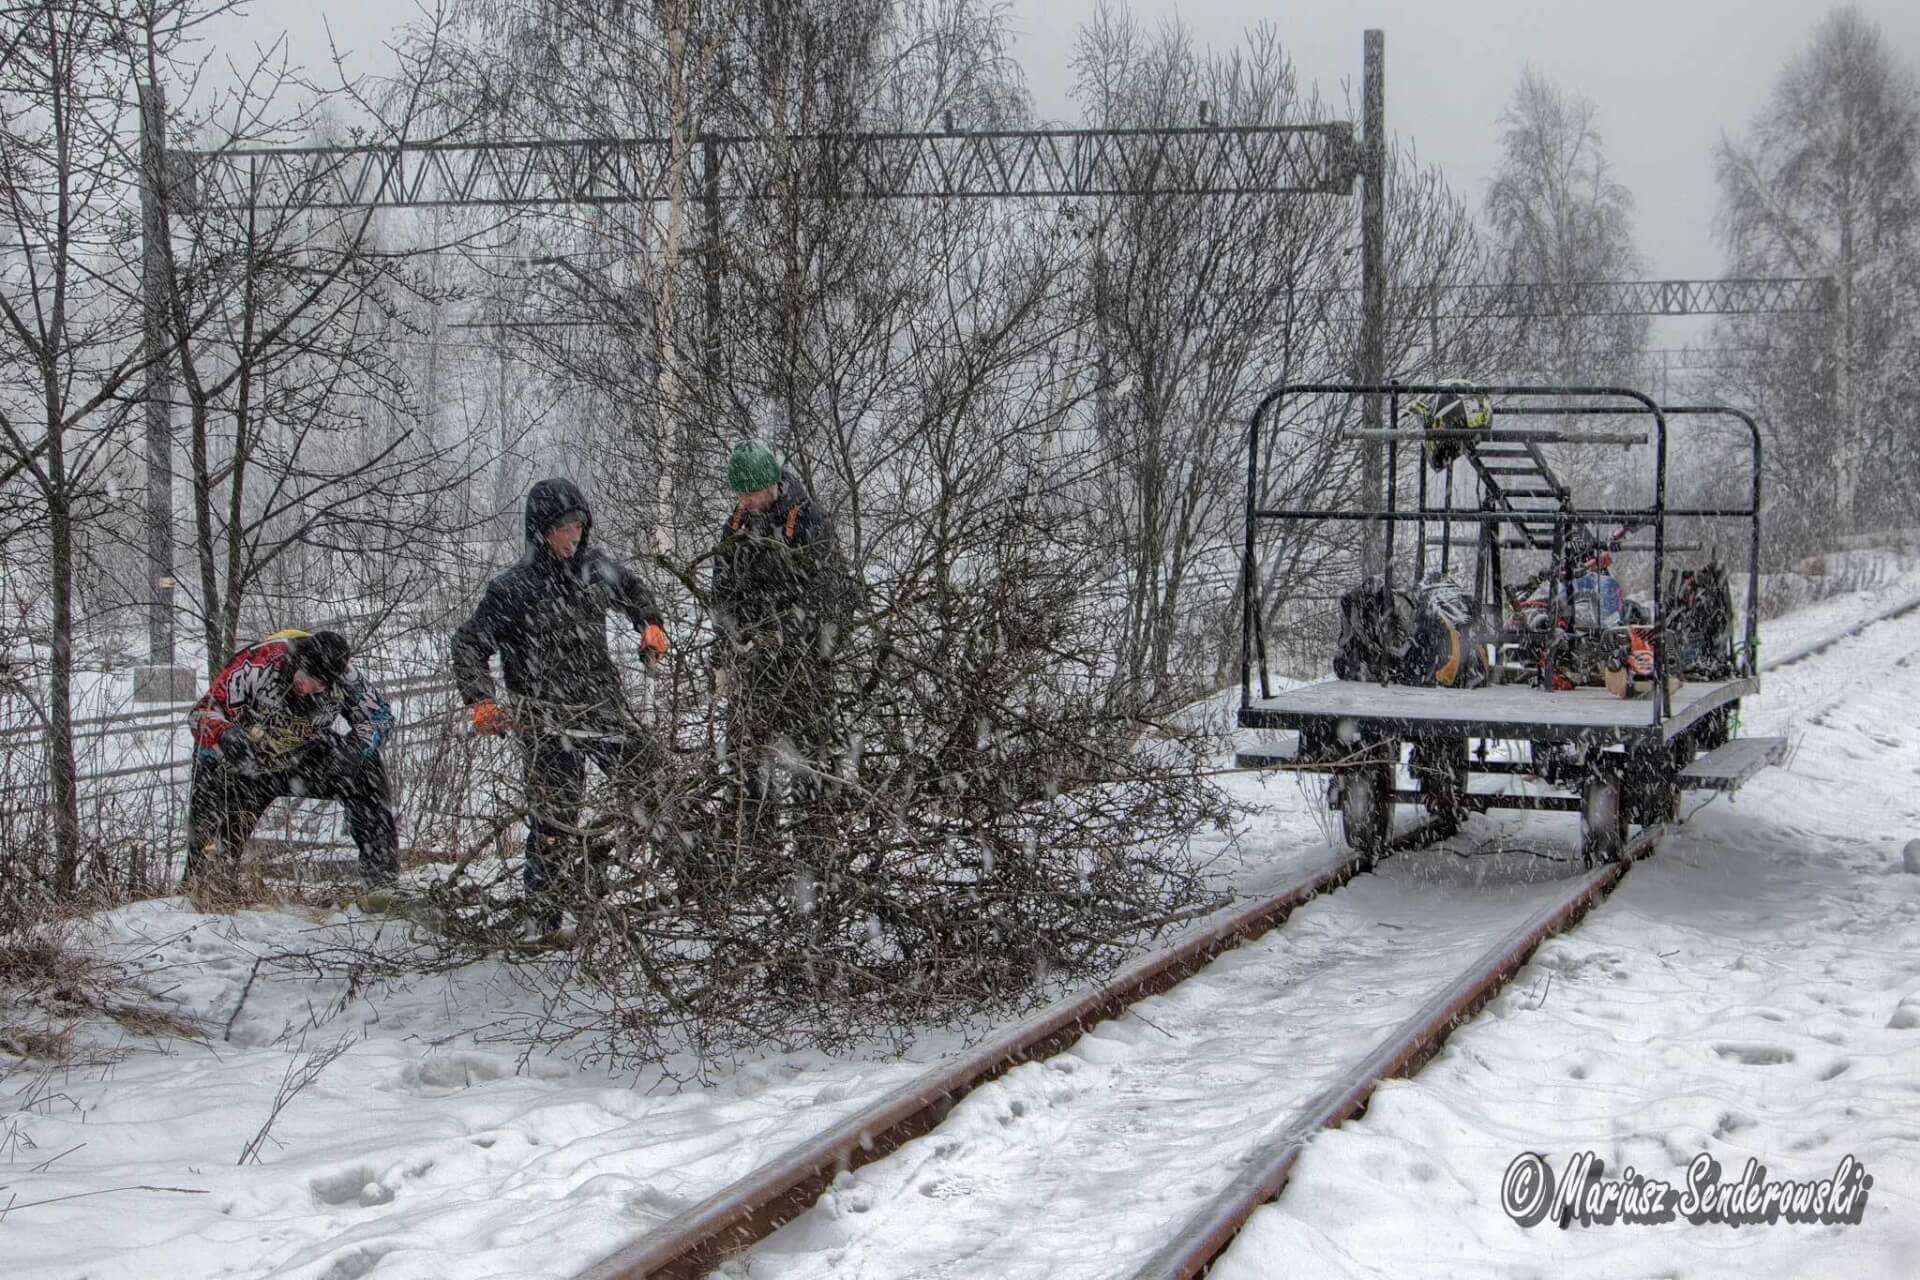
(740, 516)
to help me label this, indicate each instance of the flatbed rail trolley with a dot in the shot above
(1616, 762)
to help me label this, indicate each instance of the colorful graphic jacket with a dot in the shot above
(254, 695)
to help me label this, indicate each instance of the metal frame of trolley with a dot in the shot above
(1616, 762)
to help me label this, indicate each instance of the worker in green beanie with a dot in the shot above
(753, 469)
(781, 595)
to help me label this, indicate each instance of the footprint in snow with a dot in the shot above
(357, 1185)
(1755, 1055)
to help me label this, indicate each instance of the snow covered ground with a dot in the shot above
(1754, 990)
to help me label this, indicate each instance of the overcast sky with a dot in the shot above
(1667, 76)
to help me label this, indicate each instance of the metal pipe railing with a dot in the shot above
(1253, 644)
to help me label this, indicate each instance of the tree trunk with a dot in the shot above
(1846, 454)
(62, 767)
(673, 470)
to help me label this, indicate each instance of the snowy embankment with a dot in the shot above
(1754, 989)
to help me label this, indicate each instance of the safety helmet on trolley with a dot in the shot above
(1458, 408)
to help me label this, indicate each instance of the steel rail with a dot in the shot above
(1821, 643)
(1208, 1233)
(752, 1208)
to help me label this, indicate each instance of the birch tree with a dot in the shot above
(1826, 182)
(1559, 216)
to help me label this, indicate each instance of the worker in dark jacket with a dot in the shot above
(546, 619)
(780, 596)
(288, 716)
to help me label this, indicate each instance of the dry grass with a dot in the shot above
(221, 889)
(44, 966)
(49, 1043)
(158, 1023)
(54, 983)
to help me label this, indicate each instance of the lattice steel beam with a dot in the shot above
(1061, 162)
(1812, 294)
(1685, 358)
(1637, 298)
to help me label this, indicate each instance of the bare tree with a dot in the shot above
(308, 456)
(988, 817)
(1560, 217)
(70, 303)
(1196, 308)
(1196, 303)
(1827, 183)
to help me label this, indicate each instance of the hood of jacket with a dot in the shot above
(550, 501)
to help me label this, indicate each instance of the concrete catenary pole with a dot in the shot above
(159, 386)
(1372, 371)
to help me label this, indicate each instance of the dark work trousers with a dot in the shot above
(224, 805)
(780, 738)
(638, 772)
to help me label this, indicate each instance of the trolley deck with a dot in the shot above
(1496, 711)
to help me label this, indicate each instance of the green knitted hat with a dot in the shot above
(752, 467)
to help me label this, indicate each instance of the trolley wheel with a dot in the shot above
(1366, 807)
(1603, 819)
(1651, 784)
(1440, 767)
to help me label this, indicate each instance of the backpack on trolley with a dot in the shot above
(1445, 648)
(1373, 633)
(1699, 622)
(1429, 638)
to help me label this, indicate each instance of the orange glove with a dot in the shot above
(488, 719)
(653, 643)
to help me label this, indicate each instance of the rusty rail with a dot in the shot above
(753, 1207)
(1208, 1233)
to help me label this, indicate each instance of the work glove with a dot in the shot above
(237, 750)
(653, 644)
(488, 719)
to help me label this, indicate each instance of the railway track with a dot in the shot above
(741, 1215)
(1405, 987)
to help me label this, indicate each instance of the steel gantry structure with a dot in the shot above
(1290, 160)
(1314, 159)
(1739, 296)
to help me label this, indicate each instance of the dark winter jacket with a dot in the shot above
(778, 579)
(547, 617)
